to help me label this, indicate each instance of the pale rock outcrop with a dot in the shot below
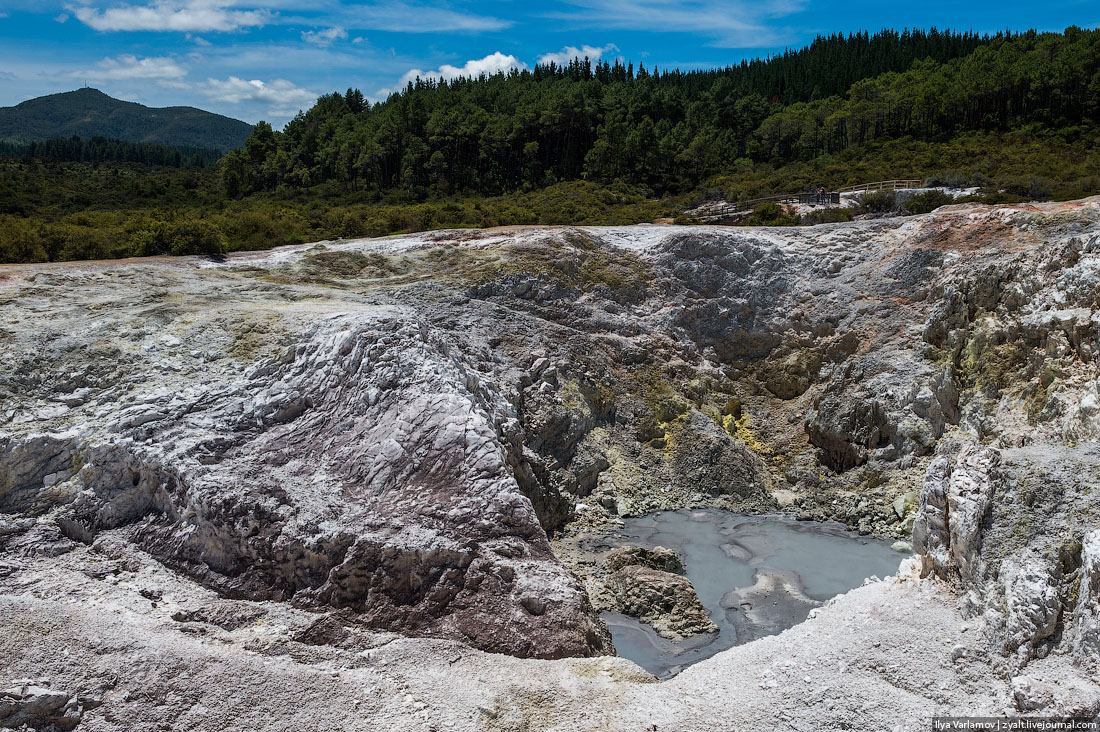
(1086, 615)
(974, 480)
(1004, 526)
(954, 500)
(1030, 694)
(931, 536)
(1032, 607)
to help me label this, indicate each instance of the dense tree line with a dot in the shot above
(1049, 80)
(102, 150)
(671, 130)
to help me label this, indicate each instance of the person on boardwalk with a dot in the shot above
(821, 194)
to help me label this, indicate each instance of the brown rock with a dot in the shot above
(664, 600)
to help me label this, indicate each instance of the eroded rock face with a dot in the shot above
(1086, 616)
(847, 429)
(1003, 526)
(955, 499)
(363, 467)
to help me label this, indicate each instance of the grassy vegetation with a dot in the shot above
(60, 212)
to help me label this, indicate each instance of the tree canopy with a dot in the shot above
(671, 130)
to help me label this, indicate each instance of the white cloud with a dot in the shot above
(491, 64)
(739, 24)
(400, 17)
(326, 36)
(280, 96)
(171, 15)
(62, 17)
(395, 16)
(127, 66)
(569, 53)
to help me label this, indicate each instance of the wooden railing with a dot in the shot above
(882, 185)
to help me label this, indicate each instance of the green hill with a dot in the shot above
(91, 113)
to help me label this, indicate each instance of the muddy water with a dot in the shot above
(755, 575)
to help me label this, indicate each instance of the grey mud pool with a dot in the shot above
(755, 575)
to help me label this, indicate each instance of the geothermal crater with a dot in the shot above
(408, 483)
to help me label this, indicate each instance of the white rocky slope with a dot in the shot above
(310, 489)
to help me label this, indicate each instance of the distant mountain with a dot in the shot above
(91, 113)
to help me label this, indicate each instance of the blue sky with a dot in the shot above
(256, 61)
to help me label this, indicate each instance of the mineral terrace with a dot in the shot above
(345, 486)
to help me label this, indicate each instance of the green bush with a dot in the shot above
(926, 201)
(20, 241)
(1032, 188)
(829, 215)
(149, 237)
(950, 179)
(1038, 189)
(771, 214)
(879, 201)
(994, 198)
(266, 227)
(81, 242)
(195, 236)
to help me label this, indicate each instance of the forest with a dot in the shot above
(103, 150)
(1015, 115)
(671, 130)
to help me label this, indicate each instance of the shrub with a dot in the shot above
(950, 179)
(1038, 189)
(771, 214)
(80, 242)
(879, 201)
(352, 224)
(1028, 189)
(926, 201)
(20, 241)
(265, 227)
(195, 236)
(149, 237)
(995, 198)
(828, 216)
